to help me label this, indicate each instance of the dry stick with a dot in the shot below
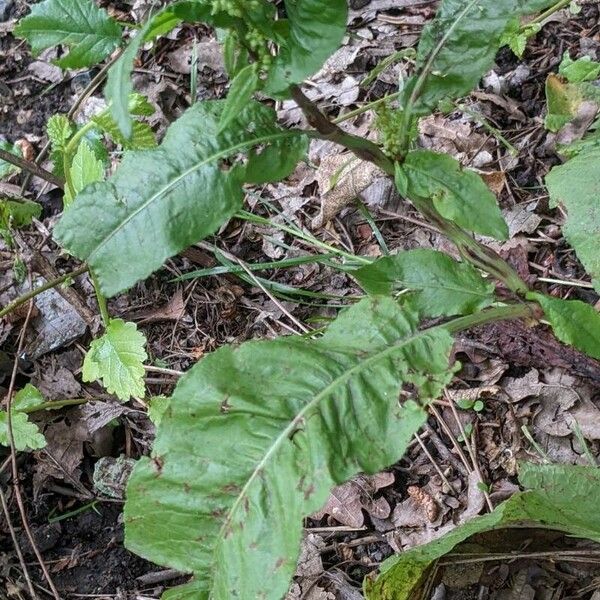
(34, 292)
(15, 541)
(451, 490)
(449, 433)
(13, 456)
(28, 165)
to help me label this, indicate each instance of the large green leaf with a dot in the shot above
(459, 46)
(160, 201)
(87, 30)
(558, 497)
(443, 285)
(255, 437)
(576, 185)
(573, 322)
(316, 29)
(458, 194)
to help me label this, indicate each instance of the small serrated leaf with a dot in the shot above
(85, 169)
(117, 358)
(443, 286)
(573, 322)
(83, 27)
(26, 435)
(28, 397)
(59, 130)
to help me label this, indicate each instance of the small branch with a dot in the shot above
(33, 293)
(28, 165)
(362, 148)
(499, 313)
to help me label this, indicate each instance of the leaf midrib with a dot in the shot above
(285, 433)
(163, 190)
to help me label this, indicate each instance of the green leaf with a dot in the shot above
(119, 87)
(28, 397)
(193, 590)
(89, 33)
(444, 286)
(575, 185)
(157, 406)
(141, 138)
(582, 69)
(558, 498)
(242, 87)
(160, 201)
(459, 46)
(316, 29)
(516, 36)
(26, 435)
(18, 213)
(256, 436)
(117, 358)
(59, 130)
(7, 168)
(573, 322)
(458, 194)
(563, 101)
(85, 169)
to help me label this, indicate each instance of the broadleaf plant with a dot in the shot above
(25, 434)
(256, 435)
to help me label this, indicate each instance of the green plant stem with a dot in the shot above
(54, 405)
(101, 298)
(365, 107)
(491, 315)
(31, 167)
(46, 286)
(547, 13)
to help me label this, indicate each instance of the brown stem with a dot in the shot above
(28, 165)
(362, 148)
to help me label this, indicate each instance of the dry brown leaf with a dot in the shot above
(425, 501)
(341, 179)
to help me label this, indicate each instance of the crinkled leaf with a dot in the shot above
(240, 92)
(575, 185)
(80, 25)
(563, 101)
(458, 194)
(117, 358)
(256, 436)
(118, 86)
(142, 137)
(459, 46)
(316, 29)
(558, 498)
(573, 322)
(85, 169)
(160, 201)
(157, 406)
(26, 435)
(582, 69)
(7, 168)
(443, 285)
(59, 130)
(516, 36)
(26, 398)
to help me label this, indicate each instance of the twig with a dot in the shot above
(46, 286)
(13, 456)
(28, 165)
(451, 490)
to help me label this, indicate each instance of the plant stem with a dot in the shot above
(70, 152)
(30, 166)
(54, 405)
(365, 108)
(547, 13)
(498, 313)
(33, 293)
(101, 298)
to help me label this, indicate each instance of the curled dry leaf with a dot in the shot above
(425, 501)
(347, 501)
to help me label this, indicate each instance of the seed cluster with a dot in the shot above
(389, 123)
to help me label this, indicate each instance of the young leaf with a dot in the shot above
(443, 286)
(160, 201)
(242, 87)
(28, 397)
(458, 194)
(26, 435)
(85, 169)
(573, 322)
(87, 30)
(315, 31)
(563, 101)
(577, 71)
(117, 358)
(7, 168)
(157, 406)
(59, 130)
(118, 88)
(557, 498)
(256, 436)
(575, 184)
(141, 138)
(18, 213)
